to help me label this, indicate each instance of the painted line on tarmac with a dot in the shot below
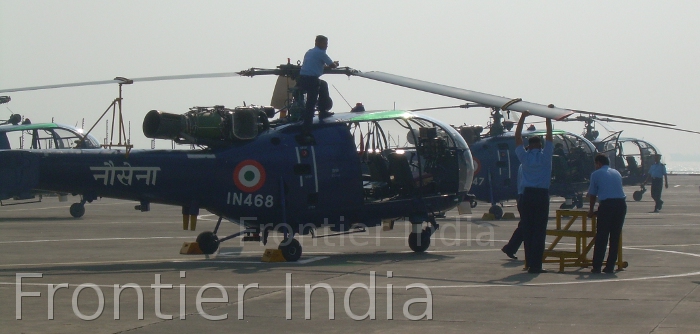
(66, 206)
(602, 279)
(394, 286)
(90, 239)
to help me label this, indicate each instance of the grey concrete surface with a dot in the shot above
(464, 280)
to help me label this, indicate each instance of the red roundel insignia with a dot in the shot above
(249, 176)
(477, 166)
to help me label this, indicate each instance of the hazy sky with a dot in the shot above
(630, 58)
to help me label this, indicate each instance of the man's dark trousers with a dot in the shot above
(610, 218)
(517, 238)
(533, 217)
(657, 184)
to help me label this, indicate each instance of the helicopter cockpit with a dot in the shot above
(44, 136)
(636, 156)
(403, 154)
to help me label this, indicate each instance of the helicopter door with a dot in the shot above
(503, 164)
(608, 146)
(328, 177)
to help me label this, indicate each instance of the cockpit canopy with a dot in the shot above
(44, 136)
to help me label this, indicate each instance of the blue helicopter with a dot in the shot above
(632, 157)
(496, 166)
(348, 173)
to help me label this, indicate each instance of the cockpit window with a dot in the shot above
(396, 134)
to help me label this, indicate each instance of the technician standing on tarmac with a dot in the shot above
(657, 174)
(536, 163)
(316, 89)
(606, 185)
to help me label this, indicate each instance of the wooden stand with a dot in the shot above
(578, 257)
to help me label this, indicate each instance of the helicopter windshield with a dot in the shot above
(44, 136)
(437, 156)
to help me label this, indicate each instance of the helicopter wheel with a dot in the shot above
(637, 195)
(565, 206)
(208, 242)
(497, 211)
(413, 241)
(291, 249)
(472, 204)
(579, 201)
(77, 210)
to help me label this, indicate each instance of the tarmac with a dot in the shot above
(59, 275)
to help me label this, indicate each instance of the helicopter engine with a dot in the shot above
(212, 126)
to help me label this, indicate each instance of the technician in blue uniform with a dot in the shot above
(657, 174)
(536, 163)
(315, 60)
(606, 186)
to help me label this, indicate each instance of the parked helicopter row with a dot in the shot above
(264, 169)
(349, 173)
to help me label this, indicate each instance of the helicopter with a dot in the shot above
(496, 165)
(630, 156)
(266, 176)
(40, 136)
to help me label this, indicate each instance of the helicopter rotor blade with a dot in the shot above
(503, 103)
(465, 106)
(621, 117)
(125, 81)
(658, 126)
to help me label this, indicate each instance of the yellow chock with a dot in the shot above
(185, 222)
(387, 225)
(190, 248)
(488, 216)
(193, 222)
(273, 255)
(508, 215)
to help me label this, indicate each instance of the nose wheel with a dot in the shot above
(208, 242)
(291, 249)
(77, 210)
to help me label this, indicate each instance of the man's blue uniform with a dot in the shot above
(316, 90)
(606, 184)
(534, 210)
(657, 172)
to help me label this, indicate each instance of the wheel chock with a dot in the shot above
(273, 255)
(508, 215)
(189, 248)
(488, 216)
(387, 225)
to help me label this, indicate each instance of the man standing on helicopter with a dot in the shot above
(315, 60)
(536, 163)
(657, 174)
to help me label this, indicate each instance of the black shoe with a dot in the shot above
(536, 271)
(510, 255)
(595, 271)
(325, 114)
(609, 270)
(661, 203)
